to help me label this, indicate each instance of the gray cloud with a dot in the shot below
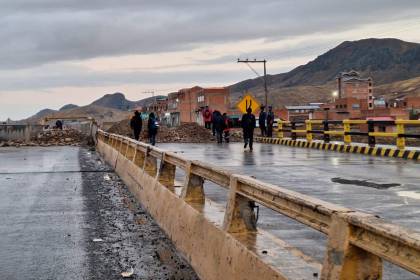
(38, 32)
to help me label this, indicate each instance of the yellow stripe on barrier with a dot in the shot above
(411, 155)
(298, 131)
(334, 132)
(355, 121)
(383, 134)
(391, 152)
(416, 122)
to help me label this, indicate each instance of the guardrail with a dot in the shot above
(347, 130)
(357, 242)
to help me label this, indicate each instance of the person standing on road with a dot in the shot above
(270, 121)
(213, 120)
(152, 128)
(219, 126)
(136, 124)
(248, 124)
(228, 125)
(207, 117)
(261, 121)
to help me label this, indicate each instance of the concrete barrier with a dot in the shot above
(357, 242)
(19, 131)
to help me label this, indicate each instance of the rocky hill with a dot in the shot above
(385, 60)
(109, 108)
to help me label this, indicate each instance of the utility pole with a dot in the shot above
(247, 61)
(153, 96)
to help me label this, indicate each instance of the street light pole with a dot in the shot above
(265, 74)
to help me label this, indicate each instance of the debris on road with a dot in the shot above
(128, 274)
(51, 137)
(97, 240)
(184, 133)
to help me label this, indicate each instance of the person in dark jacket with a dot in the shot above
(136, 124)
(261, 121)
(219, 126)
(270, 121)
(152, 128)
(213, 120)
(248, 124)
(59, 124)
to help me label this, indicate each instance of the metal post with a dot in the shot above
(371, 139)
(326, 136)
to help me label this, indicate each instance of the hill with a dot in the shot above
(109, 108)
(385, 60)
(68, 106)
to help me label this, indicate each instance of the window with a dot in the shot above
(370, 105)
(355, 106)
(370, 90)
(370, 97)
(200, 98)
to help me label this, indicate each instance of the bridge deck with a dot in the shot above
(357, 181)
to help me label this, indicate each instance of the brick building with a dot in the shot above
(351, 85)
(186, 105)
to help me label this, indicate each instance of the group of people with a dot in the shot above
(266, 121)
(136, 124)
(219, 123)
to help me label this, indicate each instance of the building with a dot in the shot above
(186, 105)
(351, 85)
(297, 113)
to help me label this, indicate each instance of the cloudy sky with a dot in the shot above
(74, 51)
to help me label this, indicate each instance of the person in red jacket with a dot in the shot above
(207, 117)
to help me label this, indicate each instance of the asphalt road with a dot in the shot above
(55, 201)
(386, 187)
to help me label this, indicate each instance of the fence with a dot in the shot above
(357, 242)
(348, 131)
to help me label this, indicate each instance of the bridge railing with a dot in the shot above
(365, 128)
(357, 242)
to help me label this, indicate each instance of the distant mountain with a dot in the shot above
(68, 106)
(385, 60)
(116, 101)
(109, 108)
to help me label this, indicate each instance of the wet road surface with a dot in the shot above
(55, 201)
(387, 187)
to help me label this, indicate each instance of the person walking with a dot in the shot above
(228, 125)
(270, 121)
(219, 126)
(213, 122)
(152, 128)
(207, 117)
(248, 125)
(261, 121)
(136, 124)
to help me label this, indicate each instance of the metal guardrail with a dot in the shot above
(400, 135)
(357, 242)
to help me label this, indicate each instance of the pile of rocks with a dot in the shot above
(51, 137)
(185, 133)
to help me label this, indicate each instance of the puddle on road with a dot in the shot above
(364, 183)
(409, 194)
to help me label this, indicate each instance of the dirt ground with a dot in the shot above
(130, 241)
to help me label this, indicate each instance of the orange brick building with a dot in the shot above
(186, 105)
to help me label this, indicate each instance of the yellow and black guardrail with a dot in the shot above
(365, 128)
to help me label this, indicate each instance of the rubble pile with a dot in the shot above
(185, 133)
(51, 137)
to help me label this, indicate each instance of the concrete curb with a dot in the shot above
(338, 147)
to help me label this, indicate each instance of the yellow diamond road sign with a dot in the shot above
(248, 101)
